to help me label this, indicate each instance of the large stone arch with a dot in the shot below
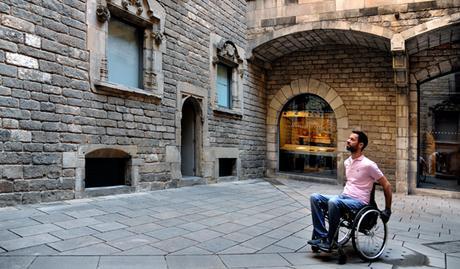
(286, 93)
(366, 28)
(400, 41)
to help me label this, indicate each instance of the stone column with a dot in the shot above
(401, 67)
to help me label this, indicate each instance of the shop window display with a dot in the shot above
(307, 137)
(439, 130)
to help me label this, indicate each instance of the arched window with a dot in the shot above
(107, 167)
(307, 137)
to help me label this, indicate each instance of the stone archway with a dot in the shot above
(270, 45)
(276, 104)
(428, 34)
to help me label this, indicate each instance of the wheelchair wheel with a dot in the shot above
(369, 234)
(344, 232)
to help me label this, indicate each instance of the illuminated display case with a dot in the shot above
(307, 137)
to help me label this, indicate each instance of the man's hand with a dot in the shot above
(385, 215)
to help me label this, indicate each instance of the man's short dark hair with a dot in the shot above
(362, 138)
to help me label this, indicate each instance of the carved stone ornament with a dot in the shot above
(134, 3)
(227, 50)
(102, 13)
(142, 9)
(158, 37)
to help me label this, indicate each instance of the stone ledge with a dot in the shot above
(191, 181)
(228, 112)
(227, 179)
(104, 86)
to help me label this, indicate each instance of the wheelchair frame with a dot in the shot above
(366, 222)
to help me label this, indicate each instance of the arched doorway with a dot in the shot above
(308, 137)
(190, 138)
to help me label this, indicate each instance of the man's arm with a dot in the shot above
(383, 181)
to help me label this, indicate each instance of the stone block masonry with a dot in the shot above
(49, 111)
(33, 40)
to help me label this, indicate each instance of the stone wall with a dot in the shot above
(253, 123)
(362, 78)
(397, 15)
(187, 61)
(50, 116)
(45, 104)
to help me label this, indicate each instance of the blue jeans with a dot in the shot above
(334, 205)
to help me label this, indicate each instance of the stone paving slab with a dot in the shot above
(35, 229)
(144, 250)
(99, 249)
(254, 260)
(74, 232)
(134, 262)
(40, 250)
(75, 243)
(195, 262)
(28, 241)
(70, 262)
(132, 241)
(51, 218)
(17, 223)
(16, 262)
(114, 235)
(246, 224)
(217, 244)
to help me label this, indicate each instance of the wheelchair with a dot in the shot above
(365, 228)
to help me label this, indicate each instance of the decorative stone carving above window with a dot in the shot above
(225, 53)
(147, 16)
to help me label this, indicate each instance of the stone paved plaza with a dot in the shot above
(245, 224)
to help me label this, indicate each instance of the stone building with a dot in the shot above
(113, 96)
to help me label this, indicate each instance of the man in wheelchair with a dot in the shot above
(361, 174)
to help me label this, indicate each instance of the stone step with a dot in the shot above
(102, 191)
(190, 181)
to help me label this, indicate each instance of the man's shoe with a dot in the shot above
(316, 242)
(325, 246)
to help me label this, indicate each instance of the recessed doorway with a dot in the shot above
(190, 138)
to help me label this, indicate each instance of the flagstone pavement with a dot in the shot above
(244, 224)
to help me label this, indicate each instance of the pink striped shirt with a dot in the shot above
(361, 174)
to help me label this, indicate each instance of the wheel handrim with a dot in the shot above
(370, 243)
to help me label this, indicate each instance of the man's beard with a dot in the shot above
(351, 149)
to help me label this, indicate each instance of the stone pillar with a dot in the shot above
(402, 141)
(401, 80)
